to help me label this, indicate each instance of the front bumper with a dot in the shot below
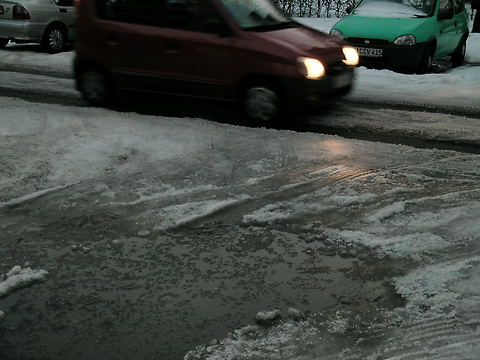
(337, 82)
(394, 56)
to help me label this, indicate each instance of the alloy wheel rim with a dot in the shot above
(261, 104)
(55, 40)
(93, 86)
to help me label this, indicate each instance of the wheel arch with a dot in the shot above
(60, 25)
(464, 38)
(432, 41)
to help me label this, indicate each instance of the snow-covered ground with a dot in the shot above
(409, 205)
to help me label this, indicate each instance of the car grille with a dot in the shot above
(364, 41)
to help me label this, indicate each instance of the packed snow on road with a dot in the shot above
(398, 226)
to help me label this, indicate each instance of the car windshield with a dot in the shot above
(257, 15)
(396, 8)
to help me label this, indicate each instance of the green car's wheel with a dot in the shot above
(459, 55)
(425, 66)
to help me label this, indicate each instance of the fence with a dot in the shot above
(324, 8)
(315, 8)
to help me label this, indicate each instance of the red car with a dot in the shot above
(234, 50)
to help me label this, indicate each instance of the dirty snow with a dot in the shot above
(442, 293)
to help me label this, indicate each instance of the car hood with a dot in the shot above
(378, 28)
(304, 41)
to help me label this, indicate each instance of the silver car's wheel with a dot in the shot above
(95, 87)
(54, 40)
(261, 104)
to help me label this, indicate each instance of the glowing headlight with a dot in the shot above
(336, 33)
(405, 40)
(351, 55)
(310, 68)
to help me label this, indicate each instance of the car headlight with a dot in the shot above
(310, 68)
(351, 56)
(405, 40)
(336, 33)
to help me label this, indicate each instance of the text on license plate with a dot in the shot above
(369, 52)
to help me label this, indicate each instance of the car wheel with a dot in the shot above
(261, 103)
(459, 55)
(425, 65)
(54, 39)
(3, 43)
(95, 86)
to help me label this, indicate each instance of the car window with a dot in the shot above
(446, 8)
(143, 12)
(64, 2)
(459, 6)
(190, 15)
(256, 14)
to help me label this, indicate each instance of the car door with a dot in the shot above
(164, 47)
(195, 52)
(64, 9)
(448, 29)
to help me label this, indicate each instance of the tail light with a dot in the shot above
(76, 5)
(20, 13)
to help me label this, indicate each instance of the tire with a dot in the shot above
(261, 103)
(425, 66)
(95, 86)
(54, 39)
(3, 43)
(459, 55)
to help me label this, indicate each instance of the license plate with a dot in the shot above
(369, 52)
(342, 80)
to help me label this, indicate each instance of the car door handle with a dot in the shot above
(63, 10)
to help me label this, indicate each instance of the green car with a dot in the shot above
(405, 34)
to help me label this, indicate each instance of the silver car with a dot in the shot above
(49, 22)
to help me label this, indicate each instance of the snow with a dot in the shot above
(388, 10)
(18, 278)
(399, 223)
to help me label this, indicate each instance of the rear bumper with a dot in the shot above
(21, 31)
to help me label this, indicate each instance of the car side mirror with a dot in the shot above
(349, 9)
(217, 26)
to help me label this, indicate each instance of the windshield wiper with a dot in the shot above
(272, 27)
